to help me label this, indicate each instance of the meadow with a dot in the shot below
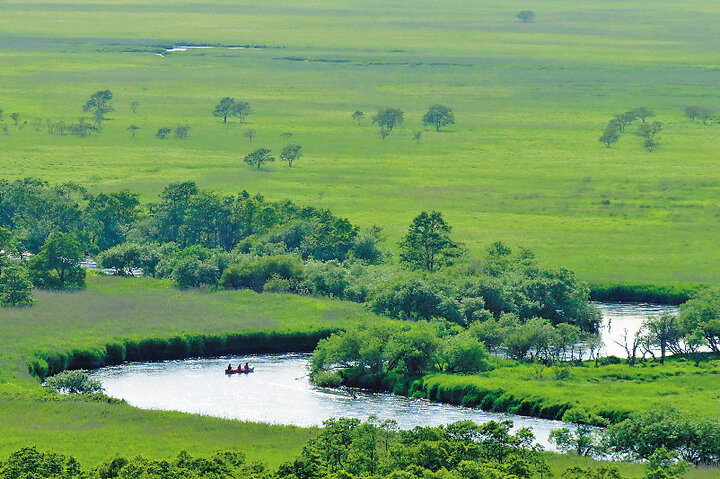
(522, 164)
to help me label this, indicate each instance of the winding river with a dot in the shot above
(279, 391)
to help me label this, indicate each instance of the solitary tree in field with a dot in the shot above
(134, 105)
(692, 112)
(181, 131)
(225, 108)
(388, 118)
(427, 244)
(132, 129)
(417, 136)
(439, 116)
(163, 132)
(258, 157)
(250, 134)
(15, 117)
(526, 16)
(291, 153)
(610, 136)
(242, 110)
(286, 134)
(358, 116)
(643, 113)
(99, 105)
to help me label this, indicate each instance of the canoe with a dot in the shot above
(239, 371)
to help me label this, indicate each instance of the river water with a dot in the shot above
(279, 391)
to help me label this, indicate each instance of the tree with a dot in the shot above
(664, 464)
(250, 134)
(648, 132)
(15, 117)
(427, 244)
(439, 116)
(99, 105)
(134, 105)
(163, 132)
(57, 265)
(663, 331)
(417, 136)
(225, 108)
(228, 107)
(643, 113)
(15, 286)
(291, 153)
(181, 131)
(610, 136)
(388, 118)
(358, 116)
(692, 112)
(526, 16)
(258, 157)
(132, 129)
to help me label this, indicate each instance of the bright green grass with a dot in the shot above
(523, 163)
(608, 389)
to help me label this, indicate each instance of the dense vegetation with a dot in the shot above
(347, 449)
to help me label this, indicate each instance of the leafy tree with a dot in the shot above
(250, 134)
(427, 244)
(167, 216)
(664, 464)
(134, 105)
(99, 105)
(225, 108)
(388, 118)
(181, 131)
(258, 157)
(291, 153)
(439, 116)
(15, 286)
(417, 136)
(610, 136)
(57, 265)
(228, 107)
(358, 116)
(693, 112)
(133, 129)
(73, 382)
(163, 132)
(15, 117)
(126, 258)
(526, 16)
(648, 132)
(643, 113)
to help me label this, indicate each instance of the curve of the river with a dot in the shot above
(279, 391)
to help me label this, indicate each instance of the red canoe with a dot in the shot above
(239, 371)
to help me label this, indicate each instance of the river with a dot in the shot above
(279, 391)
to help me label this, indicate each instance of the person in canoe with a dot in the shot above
(229, 369)
(246, 368)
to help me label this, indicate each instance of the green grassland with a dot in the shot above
(523, 163)
(612, 391)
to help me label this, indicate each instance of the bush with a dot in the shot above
(254, 273)
(15, 287)
(73, 382)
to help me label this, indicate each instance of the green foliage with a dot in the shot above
(57, 265)
(427, 244)
(258, 157)
(291, 153)
(127, 258)
(388, 118)
(526, 16)
(73, 382)
(15, 286)
(255, 273)
(229, 107)
(439, 116)
(99, 105)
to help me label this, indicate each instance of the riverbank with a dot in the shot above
(673, 295)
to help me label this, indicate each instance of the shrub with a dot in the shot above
(254, 273)
(73, 382)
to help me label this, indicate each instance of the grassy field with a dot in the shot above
(522, 164)
(612, 391)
